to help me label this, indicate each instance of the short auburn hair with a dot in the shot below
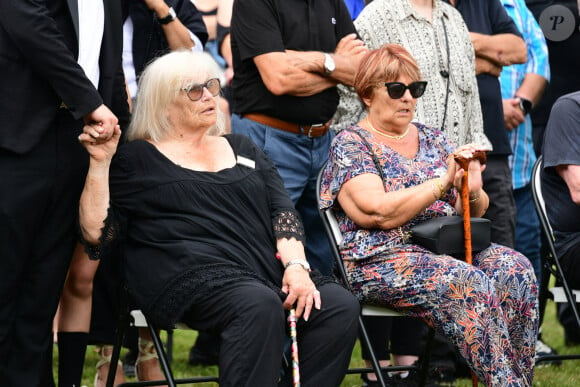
(384, 64)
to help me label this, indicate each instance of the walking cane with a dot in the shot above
(464, 163)
(295, 368)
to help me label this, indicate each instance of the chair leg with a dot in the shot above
(169, 346)
(375, 363)
(119, 335)
(569, 295)
(424, 370)
(162, 355)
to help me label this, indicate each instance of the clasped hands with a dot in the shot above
(101, 134)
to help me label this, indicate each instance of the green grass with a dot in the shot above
(566, 375)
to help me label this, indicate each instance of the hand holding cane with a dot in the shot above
(464, 164)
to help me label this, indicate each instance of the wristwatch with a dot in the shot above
(169, 18)
(329, 64)
(301, 262)
(525, 105)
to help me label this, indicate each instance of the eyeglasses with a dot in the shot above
(194, 92)
(397, 89)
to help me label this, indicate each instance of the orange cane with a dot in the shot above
(464, 163)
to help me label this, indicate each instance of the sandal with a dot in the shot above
(147, 364)
(105, 352)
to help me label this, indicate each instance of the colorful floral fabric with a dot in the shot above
(488, 310)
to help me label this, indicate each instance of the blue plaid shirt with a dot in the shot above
(523, 156)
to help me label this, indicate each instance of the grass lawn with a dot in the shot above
(566, 375)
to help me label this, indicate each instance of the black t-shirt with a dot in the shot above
(562, 147)
(560, 22)
(263, 26)
(490, 18)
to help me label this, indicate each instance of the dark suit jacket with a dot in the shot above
(39, 71)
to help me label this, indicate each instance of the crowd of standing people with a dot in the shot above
(139, 138)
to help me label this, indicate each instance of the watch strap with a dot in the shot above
(169, 18)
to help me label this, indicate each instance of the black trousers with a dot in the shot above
(39, 197)
(252, 324)
(497, 183)
(571, 267)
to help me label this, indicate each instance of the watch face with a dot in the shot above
(329, 65)
(525, 105)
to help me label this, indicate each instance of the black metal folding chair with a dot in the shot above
(138, 319)
(551, 262)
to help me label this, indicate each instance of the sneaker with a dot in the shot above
(543, 350)
(129, 364)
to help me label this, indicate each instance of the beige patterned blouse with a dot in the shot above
(395, 21)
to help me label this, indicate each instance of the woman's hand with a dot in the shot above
(99, 151)
(475, 169)
(301, 291)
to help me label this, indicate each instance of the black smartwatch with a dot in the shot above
(525, 105)
(169, 18)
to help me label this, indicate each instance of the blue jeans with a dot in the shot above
(298, 159)
(528, 239)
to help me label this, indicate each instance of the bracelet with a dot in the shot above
(300, 262)
(434, 190)
(440, 186)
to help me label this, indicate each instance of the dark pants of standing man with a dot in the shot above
(497, 183)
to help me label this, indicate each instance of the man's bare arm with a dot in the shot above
(571, 175)
(503, 49)
(302, 73)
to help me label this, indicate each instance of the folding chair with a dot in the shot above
(138, 319)
(335, 237)
(552, 265)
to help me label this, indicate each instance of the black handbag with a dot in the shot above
(444, 235)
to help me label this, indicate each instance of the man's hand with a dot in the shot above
(351, 46)
(102, 122)
(483, 65)
(347, 55)
(512, 114)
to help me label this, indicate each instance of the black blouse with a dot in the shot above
(184, 234)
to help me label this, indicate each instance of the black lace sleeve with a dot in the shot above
(108, 240)
(287, 224)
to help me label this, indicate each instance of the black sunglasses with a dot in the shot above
(397, 89)
(194, 92)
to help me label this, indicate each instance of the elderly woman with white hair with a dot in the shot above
(201, 218)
